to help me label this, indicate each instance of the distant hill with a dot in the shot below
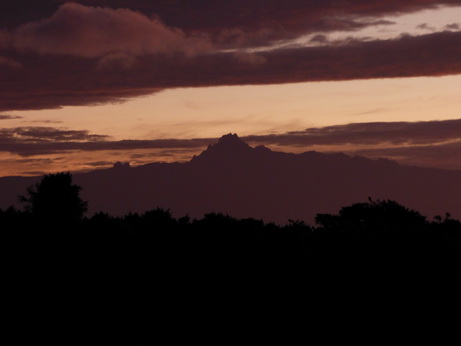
(234, 178)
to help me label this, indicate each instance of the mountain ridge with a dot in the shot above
(234, 178)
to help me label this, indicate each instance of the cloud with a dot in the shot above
(77, 81)
(49, 121)
(115, 61)
(86, 55)
(16, 12)
(430, 143)
(377, 133)
(320, 38)
(453, 26)
(30, 141)
(425, 26)
(99, 164)
(7, 62)
(283, 17)
(9, 117)
(239, 22)
(56, 83)
(444, 156)
(4, 39)
(92, 32)
(73, 81)
(249, 58)
(45, 135)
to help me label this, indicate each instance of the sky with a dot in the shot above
(85, 84)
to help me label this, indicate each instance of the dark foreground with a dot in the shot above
(160, 267)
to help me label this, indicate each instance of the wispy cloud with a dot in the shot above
(395, 133)
(9, 117)
(31, 141)
(46, 134)
(430, 143)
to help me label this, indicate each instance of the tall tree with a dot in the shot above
(55, 198)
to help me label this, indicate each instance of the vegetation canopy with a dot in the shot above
(366, 252)
(55, 198)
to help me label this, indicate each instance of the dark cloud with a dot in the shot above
(377, 133)
(51, 82)
(17, 12)
(188, 150)
(249, 58)
(97, 32)
(451, 150)
(453, 26)
(259, 19)
(9, 63)
(236, 22)
(30, 141)
(32, 173)
(9, 117)
(46, 134)
(320, 38)
(280, 17)
(444, 156)
(92, 52)
(430, 143)
(425, 26)
(36, 161)
(47, 121)
(99, 164)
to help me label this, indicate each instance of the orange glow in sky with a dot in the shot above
(248, 110)
(214, 111)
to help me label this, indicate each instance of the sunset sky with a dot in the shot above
(84, 84)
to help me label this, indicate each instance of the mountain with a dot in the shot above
(234, 178)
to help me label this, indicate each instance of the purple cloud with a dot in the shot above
(91, 52)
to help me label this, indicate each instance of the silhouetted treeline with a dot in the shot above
(161, 265)
(365, 245)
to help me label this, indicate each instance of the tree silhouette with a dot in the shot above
(55, 198)
(375, 215)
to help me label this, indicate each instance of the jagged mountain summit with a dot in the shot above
(231, 143)
(229, 147)
(234, 178)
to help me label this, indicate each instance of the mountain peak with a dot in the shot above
(231, 140)
(228, 146)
